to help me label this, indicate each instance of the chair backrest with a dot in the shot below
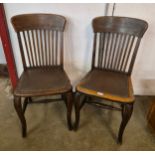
(40, 39)
(116, 41)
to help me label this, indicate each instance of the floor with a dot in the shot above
(47, 129)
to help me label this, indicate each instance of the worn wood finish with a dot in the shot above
(40, 39)
(102, 83)
(116, 42)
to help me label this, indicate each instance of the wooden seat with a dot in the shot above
(116, 42)
(103, 84)
(54, 81)
(40, 39)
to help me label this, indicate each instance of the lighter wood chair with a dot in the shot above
(116, 41)
(40, 39)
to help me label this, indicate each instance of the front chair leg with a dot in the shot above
(69, 103)
(18, 108)
(126, 115)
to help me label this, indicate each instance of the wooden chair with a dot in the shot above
(116, 41)
(40, 39)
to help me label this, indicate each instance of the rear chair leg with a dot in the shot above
(69, 103)
(20, 113)
(126, 115)
(30, 99)
(26, 101)
(63, 96)
(77, 110)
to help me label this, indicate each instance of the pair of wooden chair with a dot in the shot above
(116, 41)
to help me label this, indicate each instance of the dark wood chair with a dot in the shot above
(40, 39)
(116, 41)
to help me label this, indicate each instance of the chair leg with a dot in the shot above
(69, 103)
(18, 108)
(30, 99)
(77, 111)
(83, 101)
(26, 101)
(126, 115)
(63, 96)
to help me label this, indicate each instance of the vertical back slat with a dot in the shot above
(56, 48)
(45, 43)
(100, 50)
(106, 50)
(21, 49)
(110, 50)
(115, 51)
(126, 46)
(41, 47)
(34, 47)
(134, 55)
(38, 47)
(30, 48)
(49, 48)
(94, 50)
(128, 53)
(115, 36)
(61, 49)
(48, 32)
(103, 49)
(26, 45)
(119, 51)
(52, 47)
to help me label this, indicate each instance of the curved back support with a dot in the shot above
(40, 38)
(116, 41)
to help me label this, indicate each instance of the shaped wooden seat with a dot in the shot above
(101, 83)
(116, 42)
(40, 39)
(43, 81)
